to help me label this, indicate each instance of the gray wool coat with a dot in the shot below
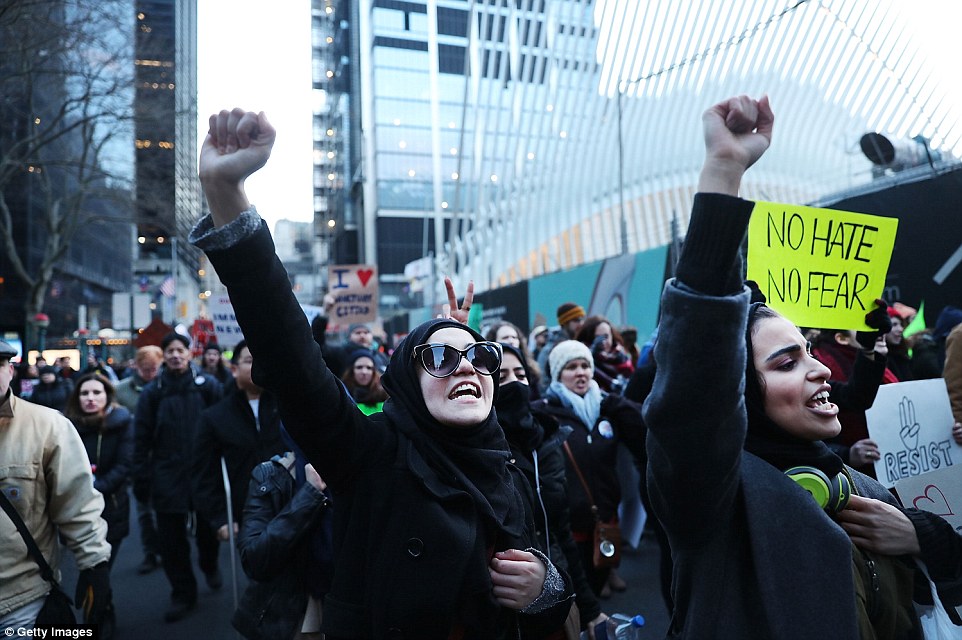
(754, 555)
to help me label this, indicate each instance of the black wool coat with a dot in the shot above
(165, 425)
(110, 449)
(754, 556)
(552, 520)
(228, 429)
(596, 455)
(403, 536)
(53, 395)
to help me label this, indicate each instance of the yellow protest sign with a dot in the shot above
(819, 267)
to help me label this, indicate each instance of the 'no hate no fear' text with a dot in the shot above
(848, 243)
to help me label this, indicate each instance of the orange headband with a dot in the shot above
(571, 314)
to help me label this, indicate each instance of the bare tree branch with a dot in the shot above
(66, 105)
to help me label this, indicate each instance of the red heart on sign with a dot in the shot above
(935, 503)
(364, 275)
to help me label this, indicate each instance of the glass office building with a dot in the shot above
(504, 139)
(168, 190)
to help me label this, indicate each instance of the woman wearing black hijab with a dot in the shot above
(736, 420)
(430, 533)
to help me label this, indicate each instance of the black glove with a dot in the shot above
(598, 345)
(878, 318)
(93, 593)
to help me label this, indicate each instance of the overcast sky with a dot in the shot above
(257, 56)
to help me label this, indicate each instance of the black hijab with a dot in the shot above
(472, 459)
(766, 439)
(514, 409)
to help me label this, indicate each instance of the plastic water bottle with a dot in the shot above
(622, 627)
(618, 626)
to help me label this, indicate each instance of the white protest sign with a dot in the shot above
(355, 291)
(938, 492)
(226, 329)
(912, 424)
(225, 323)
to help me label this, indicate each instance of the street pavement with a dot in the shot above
(639, 569)
(141, 600)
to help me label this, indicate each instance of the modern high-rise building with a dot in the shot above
(168, 191)
(337, 133)
(65, 153)
(504, 139)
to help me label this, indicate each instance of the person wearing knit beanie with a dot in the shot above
(599, 423)
(565, 352)
(570, 318)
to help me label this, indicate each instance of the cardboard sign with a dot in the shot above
(938, 492)
(912, 424)
(355, 291)
(819, 267)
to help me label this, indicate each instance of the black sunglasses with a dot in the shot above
(441, 360)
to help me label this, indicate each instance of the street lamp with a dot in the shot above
(41, 321)
(331, 230)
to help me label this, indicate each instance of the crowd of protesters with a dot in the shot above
(454, 486)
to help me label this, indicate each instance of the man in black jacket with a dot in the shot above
(359, 336)
(53, 391)
(244, 429)
(164, 430)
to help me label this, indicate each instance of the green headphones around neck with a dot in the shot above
(831, 494)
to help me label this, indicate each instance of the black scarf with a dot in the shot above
(361, 394)
(767, 440)
(514, 410)
(473, 460)
(514, 414)
(90, 422)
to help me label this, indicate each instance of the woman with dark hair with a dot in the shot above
(106, 428)
(509, 333)
(899, 355)
(613, 366)
(506, 333)
(212, 362)
(107, 431)
(537, 450)
(431, 536)
(364, 382)
(736, 422)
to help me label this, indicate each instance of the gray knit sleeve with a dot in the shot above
(553, 590)
(208, 238)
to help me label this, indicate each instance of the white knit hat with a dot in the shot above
(565, 352)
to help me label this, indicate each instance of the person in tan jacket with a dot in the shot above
(45, 474)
